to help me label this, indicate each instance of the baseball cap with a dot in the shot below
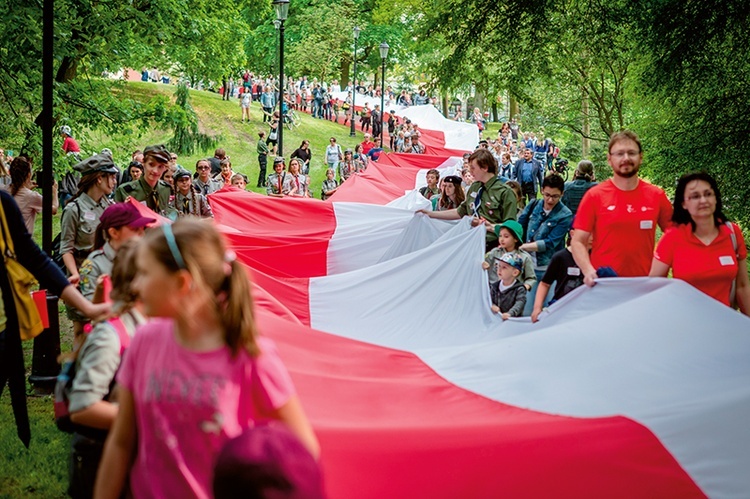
(96, 163)
(512, 260)
(123, 215)
(266, 461)
(514, 227)
(277, 160)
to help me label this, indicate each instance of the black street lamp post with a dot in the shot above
(383, 55)
(352, 132)
(282, 10)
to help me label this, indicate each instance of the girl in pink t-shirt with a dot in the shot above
(197, 377)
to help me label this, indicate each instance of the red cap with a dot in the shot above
(123, 215)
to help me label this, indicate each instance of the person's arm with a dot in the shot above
(98, 361)
(55, 198)
(442, 215)
(119, 450)
(742, 290)
(517, 308)
(579, 249)
(554, 237)
(74, 298)
(658, 269)
(120, 194)
(541, 294)
(528, 273)
(293, 416)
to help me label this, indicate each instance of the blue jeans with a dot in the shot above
(529, 308)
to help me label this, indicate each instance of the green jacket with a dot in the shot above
(497, 203)
(141, 192)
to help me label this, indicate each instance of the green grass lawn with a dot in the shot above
(223, 118)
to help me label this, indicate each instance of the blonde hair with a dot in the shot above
(202, 249)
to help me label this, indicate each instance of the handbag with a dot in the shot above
(21, 282)
(273, 135)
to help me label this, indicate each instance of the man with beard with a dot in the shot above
(622, 214)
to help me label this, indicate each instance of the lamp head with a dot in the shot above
(384, 50)
(282, 9)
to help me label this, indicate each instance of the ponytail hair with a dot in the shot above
(199, 248)
(100, 236)
(124, 270)
(20, 169)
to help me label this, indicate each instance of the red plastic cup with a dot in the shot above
(40, 300)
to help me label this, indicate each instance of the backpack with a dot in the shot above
(55, 254)
(64, 384)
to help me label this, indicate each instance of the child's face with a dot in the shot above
(156, 287)
(183, 185)
(329, 175)
(506, 273)
(507, 240)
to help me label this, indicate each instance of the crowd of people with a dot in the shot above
(609, 227)
(123, 277)
(197, 363)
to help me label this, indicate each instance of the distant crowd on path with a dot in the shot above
(610, 227)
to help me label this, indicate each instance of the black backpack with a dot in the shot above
(55, 254)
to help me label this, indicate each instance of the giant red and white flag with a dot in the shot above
(636, 387)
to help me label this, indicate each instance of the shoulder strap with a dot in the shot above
(7, 241)
(122, 333)
(733, 236)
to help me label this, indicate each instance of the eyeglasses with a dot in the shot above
(698, 197)
(203, 168)
(551, 196)
(622, 154)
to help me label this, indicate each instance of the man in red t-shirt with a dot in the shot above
(622, 214)
(70, 146)
(367, 144)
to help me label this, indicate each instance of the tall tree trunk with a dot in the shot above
(513, 112)
(494, 110)
(345, 73)
(445, 105)
(585, 126)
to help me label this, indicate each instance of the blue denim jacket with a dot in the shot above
(548, 232)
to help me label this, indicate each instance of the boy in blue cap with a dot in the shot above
(508, 295)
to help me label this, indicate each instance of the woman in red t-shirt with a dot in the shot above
(703, 248)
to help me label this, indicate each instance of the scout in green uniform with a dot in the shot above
(488, 200)
(150, 189)
(276, 180)
(186, 200)
(263, 152)
(118, 224)
(204, 184)
(81, 217)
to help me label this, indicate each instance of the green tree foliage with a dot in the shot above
(187, 136)
(697, 73)
(93, 37)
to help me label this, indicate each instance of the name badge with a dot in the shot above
(647, 224)
(89, 215)
(726, 260)
(574, 271)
